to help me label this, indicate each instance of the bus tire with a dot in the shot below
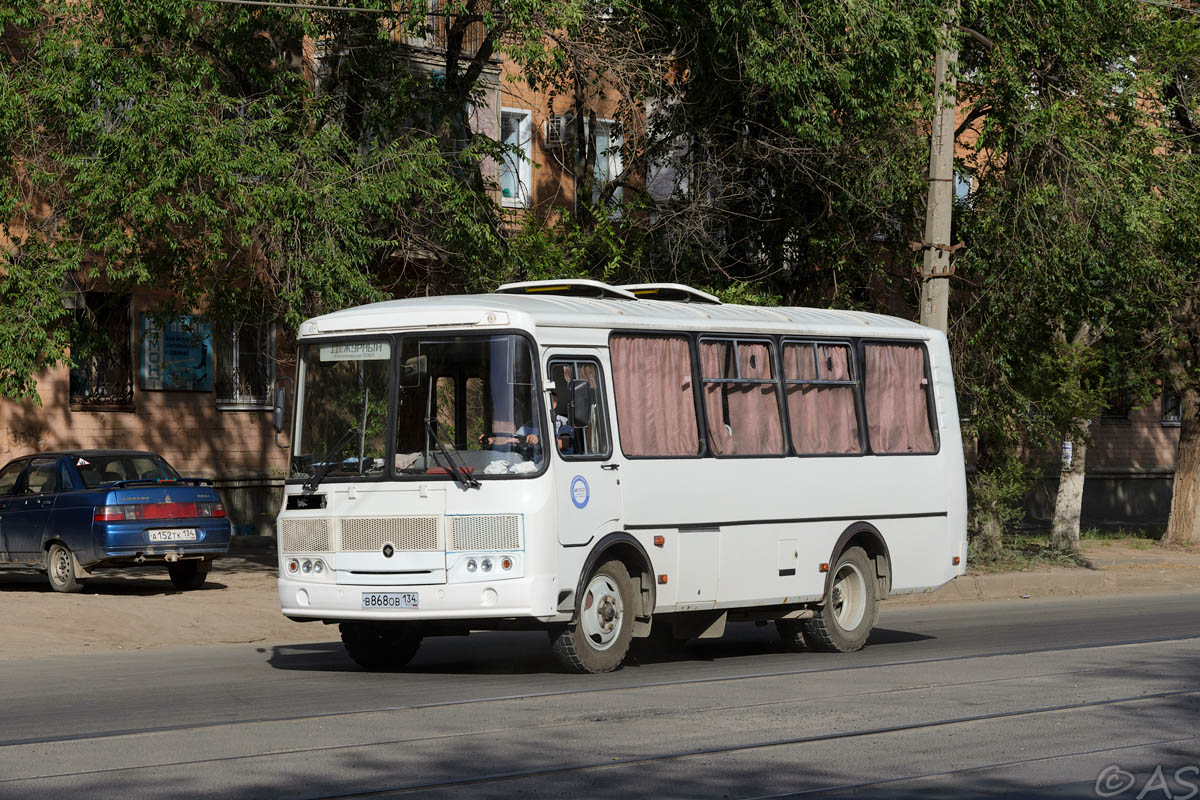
(380, 646)
(844, 621)
(599, 638)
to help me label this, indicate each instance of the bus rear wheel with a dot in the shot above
(851, 606)
(598, 639)
(380, 646)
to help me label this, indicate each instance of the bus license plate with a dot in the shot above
(390, 600)
(174, 535)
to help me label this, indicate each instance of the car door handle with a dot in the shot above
(46, 502)
(610, 466)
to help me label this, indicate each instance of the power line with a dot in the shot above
(1164, 4)
(309, 7)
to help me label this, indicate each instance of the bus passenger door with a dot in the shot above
(587, 471)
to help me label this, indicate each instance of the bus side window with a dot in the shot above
(590, 441)
(898, 400)
(819, 384)
(655, 395)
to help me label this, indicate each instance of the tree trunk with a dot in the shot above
(1185, 501)
(1068, 505)
(990, 536)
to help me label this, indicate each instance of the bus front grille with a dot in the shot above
(485, 532)
(305, 535)
(365, 534)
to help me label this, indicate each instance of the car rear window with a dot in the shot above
(97, 470)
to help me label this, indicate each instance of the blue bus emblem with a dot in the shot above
(580, 493)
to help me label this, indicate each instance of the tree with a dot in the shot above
(1064, 234)
(197, 150)
(777, 145)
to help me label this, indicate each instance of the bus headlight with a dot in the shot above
(318, 567)
(471, 565)
(486, 565)
(306, 567)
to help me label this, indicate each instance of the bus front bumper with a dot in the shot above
(531, 596)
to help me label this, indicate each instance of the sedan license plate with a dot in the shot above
(390, 600)
(173, 535)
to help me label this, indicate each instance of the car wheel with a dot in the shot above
(598, 639)
(851, 607)
(380, 646)
(188, 575)
(60, 569)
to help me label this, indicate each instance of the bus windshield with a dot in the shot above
(342, 410)
(464, 405)
(468, 403)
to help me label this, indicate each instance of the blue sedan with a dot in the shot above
(71, 512)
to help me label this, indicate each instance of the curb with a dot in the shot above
(1059, 583)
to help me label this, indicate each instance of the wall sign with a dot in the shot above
(177, 357)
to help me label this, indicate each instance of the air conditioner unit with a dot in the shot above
(560, 129)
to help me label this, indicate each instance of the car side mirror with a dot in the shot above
(579, 404)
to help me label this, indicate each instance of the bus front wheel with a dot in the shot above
(851, 607)
(380, 646)
(599, 638)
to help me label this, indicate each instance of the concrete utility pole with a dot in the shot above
(937, 267)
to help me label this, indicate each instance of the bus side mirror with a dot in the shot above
(280, 403)
(415, 370)
(579, 405)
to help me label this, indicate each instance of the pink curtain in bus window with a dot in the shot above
(896, 399)
(823, 418)
(754, 427)
(656, 411)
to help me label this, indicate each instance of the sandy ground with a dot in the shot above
(135, 609)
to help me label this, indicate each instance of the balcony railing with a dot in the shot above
(435, 34)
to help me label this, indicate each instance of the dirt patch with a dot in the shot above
(136, 609)
(1118, 566)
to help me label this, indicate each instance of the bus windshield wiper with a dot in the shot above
(326, 464)
(457, 468)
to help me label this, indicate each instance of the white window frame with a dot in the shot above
(240, 402)
(616, 163)
(523, 167)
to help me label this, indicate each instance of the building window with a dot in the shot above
(102, 353)
(516, 167)
(964, 185)
(1172, 406)
(245, 357)
(1117, 410)
(608, 166)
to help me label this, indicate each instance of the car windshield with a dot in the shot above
(476, 395)
(97, 470)
(465, 404)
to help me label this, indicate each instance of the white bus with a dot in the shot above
(601, 461)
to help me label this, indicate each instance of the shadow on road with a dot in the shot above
(528, 652)
(141, 581)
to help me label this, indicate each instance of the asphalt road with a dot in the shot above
(1023, 699)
